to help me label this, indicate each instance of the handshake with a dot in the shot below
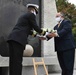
(44, 34)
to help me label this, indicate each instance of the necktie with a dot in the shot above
(58, 24)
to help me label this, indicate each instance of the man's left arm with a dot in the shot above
(33, 23)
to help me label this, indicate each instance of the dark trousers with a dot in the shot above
(0, 70)
(66, 61)
(15, 59)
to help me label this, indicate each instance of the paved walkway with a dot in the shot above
(60, 73)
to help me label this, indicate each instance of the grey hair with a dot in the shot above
(62, 14)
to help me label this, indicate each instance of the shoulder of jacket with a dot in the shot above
(67, 21)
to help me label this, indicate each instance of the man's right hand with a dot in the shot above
(42, 38)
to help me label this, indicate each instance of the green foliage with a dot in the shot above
(68, 8)
(74, 33)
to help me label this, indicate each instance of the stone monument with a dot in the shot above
(48, 21)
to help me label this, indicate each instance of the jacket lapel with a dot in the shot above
(60, 24)
(59, 27)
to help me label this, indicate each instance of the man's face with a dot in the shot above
(58, 17)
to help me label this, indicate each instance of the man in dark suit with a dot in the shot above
(17, 39)
(64, 44)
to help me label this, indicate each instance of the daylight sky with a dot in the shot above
(72, 1)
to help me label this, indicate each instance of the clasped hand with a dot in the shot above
(50, 35)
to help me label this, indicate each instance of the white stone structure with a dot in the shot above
(48, 21)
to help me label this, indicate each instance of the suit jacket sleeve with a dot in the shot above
(31, 32)
(66, 28)
(33, 23)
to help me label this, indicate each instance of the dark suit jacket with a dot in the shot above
(65, 40)
(22, 29)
